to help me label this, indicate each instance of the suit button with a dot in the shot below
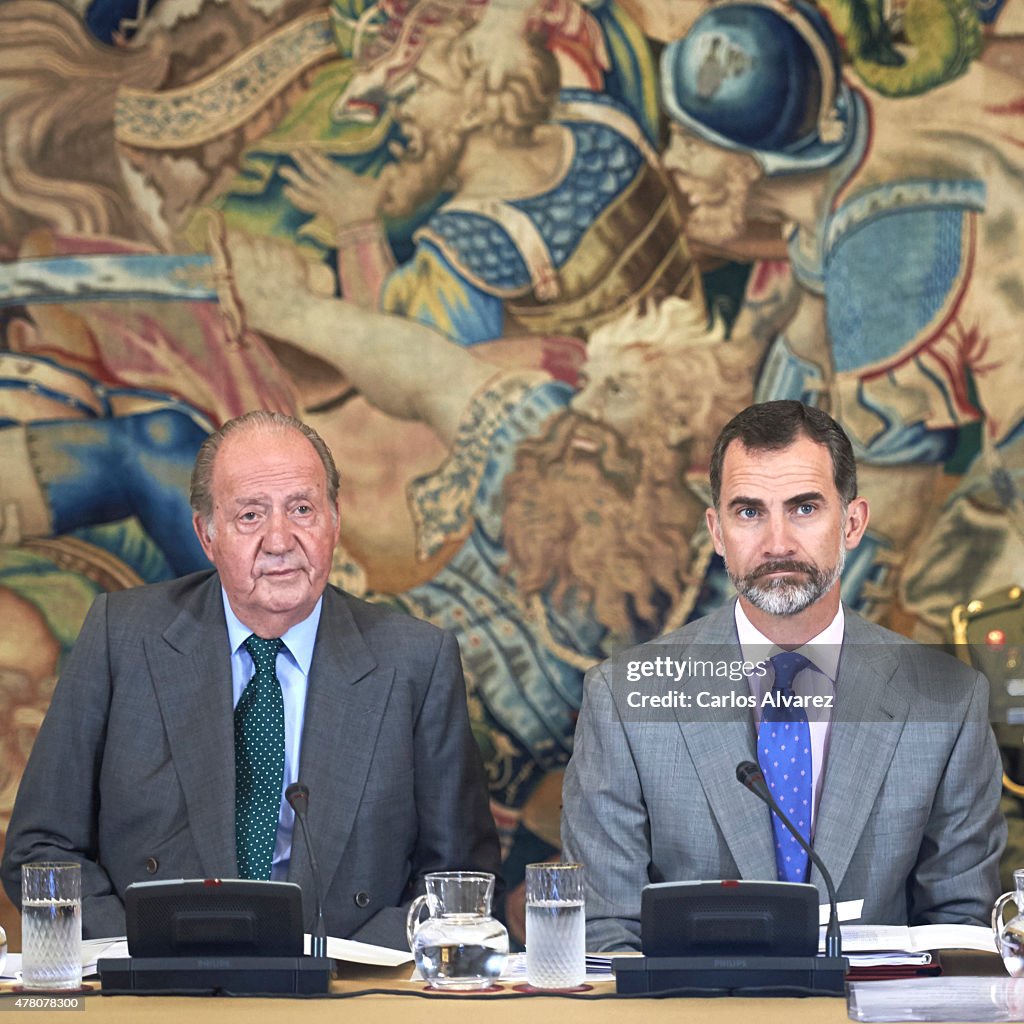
(152, 864)
(362, 899)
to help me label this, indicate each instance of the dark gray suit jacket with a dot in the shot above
(133, 770)
(908, 817)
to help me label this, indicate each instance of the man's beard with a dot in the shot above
(592, 533)
(425, 169)
(719, 222)
(786, 595)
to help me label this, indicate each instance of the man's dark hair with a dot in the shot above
(771, 426)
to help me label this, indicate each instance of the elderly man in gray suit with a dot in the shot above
(878, 748)
(187, 707)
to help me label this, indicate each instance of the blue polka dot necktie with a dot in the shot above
(259, 761)
(784, 753)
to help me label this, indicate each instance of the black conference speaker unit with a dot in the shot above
(201, 935)
(732, 936)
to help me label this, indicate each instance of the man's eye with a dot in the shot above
(748, 513)
(303, 510)
(613, 386)
(806, 509)
(248, 517)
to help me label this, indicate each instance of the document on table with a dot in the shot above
(848, 910)
(937, 999)
(94, 950)
(364, 953)
(867, 938)
(876, 945)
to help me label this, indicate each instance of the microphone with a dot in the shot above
(750, 774)
(297, 795)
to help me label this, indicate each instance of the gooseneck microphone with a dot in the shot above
(297, 795)
(752, 777)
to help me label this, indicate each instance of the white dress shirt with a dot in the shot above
(823, 652)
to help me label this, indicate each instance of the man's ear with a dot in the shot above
(857, 516)
(200, 525)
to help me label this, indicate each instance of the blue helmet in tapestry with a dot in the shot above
(762, 77)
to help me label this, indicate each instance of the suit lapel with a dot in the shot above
(716, 747)
(867, 722)
(720, 738)
(345, 704)
(190, 665)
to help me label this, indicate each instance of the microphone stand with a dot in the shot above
(297, 795)
(751, 776)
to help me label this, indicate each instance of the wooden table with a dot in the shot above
(363, 995)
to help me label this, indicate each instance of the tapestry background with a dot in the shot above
(562, 243)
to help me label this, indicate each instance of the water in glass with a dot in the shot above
(555, 943)
(52, 941)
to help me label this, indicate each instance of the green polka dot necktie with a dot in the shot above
(259, 761)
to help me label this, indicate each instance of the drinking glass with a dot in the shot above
(556, 951)
(51, 925)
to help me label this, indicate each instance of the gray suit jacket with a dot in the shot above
(133, 770)
(908, 817)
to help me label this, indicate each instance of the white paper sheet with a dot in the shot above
(364, 953)
(938, 999)
(861, 938)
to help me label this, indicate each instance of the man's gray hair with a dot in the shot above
(201, 491)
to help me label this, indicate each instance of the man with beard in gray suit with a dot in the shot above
(878, 748)
(187, 707)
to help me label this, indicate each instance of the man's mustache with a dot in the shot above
(782, 565)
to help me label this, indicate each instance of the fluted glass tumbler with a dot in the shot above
(556, 952)
(51, 925)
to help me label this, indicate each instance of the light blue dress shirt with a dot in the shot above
(293, 662)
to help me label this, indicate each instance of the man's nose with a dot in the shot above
(778, 537)
(277, 534)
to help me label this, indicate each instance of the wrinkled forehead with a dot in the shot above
(802, 467)
(269, 452)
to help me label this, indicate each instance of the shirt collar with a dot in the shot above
(299, 640)
(822, 650)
